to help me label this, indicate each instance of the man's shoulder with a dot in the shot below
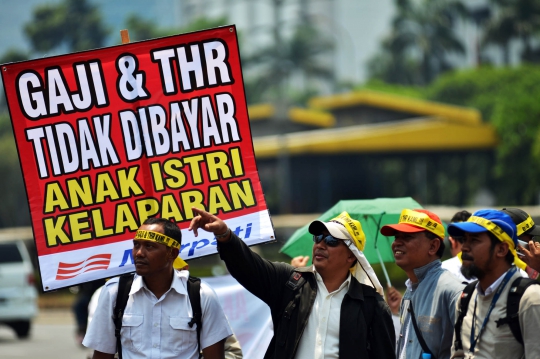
(444, 285)
(531, 296)
(308, 269)
(451, 263)
(111, 285)
(450, 282)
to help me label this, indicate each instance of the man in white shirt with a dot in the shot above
(453, 265)
(333, 309)
(158, 312)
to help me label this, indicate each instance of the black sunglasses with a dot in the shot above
(328, 239)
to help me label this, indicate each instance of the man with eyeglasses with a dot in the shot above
(332, 309)
(427, 311)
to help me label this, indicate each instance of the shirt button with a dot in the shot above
(155, 324)
(155, 345)
(320, 342)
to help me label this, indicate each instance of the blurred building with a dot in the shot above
(369, 144)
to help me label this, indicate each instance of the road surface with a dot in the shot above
(52, 337)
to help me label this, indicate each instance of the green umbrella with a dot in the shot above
(372, 214)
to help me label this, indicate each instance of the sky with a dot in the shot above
(356, 26)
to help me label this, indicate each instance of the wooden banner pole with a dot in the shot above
(125, 36)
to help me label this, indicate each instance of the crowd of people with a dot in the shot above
(481, 303)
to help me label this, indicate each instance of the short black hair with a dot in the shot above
(461, 216)
(170, 229)
(440, 251)
(494, 241)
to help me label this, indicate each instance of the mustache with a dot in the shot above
(466, 257)
(320, 252)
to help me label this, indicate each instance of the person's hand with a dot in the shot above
(531, 256)
(209, 223)
(300, 261)
(393, 299)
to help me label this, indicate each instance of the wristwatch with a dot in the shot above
(223, 235)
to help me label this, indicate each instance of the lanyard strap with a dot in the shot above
(492, 305)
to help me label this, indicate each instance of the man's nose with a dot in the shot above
(321, 244)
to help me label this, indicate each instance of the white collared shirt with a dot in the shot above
(493, 287)
(157, 328)
(320, 339)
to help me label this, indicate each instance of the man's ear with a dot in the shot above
(351, 257)
(172, 253)
(502, 249)
(453, 243)
(434, 245)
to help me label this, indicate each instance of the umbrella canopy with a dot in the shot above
(372, 214)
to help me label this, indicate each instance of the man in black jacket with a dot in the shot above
(333, 309)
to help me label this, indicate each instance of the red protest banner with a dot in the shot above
(110, 137)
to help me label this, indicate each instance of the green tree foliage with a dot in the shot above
(14, 209)
(508, 99)
(76, 24)
(11, 55)
(515, 19)
(280, 67)
(422, 37)
(141, 29)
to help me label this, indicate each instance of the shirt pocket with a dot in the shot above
(182, 337)
(132, 331)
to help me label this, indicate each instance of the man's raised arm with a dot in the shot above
(209, 223)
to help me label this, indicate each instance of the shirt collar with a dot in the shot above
(345, 284)
(179, 282)
(421, 272)
(493, 287)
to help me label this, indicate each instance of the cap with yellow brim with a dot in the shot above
(496, 222)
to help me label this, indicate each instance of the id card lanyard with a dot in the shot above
(492, 305)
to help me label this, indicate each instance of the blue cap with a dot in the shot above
(500, 218)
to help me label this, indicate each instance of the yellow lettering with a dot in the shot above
(54, 197)
(79, 190)
(236, 160)
(147, 208)
(54, 231)
(178, 179)
(77, 226)
(194, 166)
(99, 228)
(127, 182)
(217, 200)
(156, 175)
(169, 208)
(105, 188)
(217, 161)
(192, 199)
(124, 219)
(246, 195)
